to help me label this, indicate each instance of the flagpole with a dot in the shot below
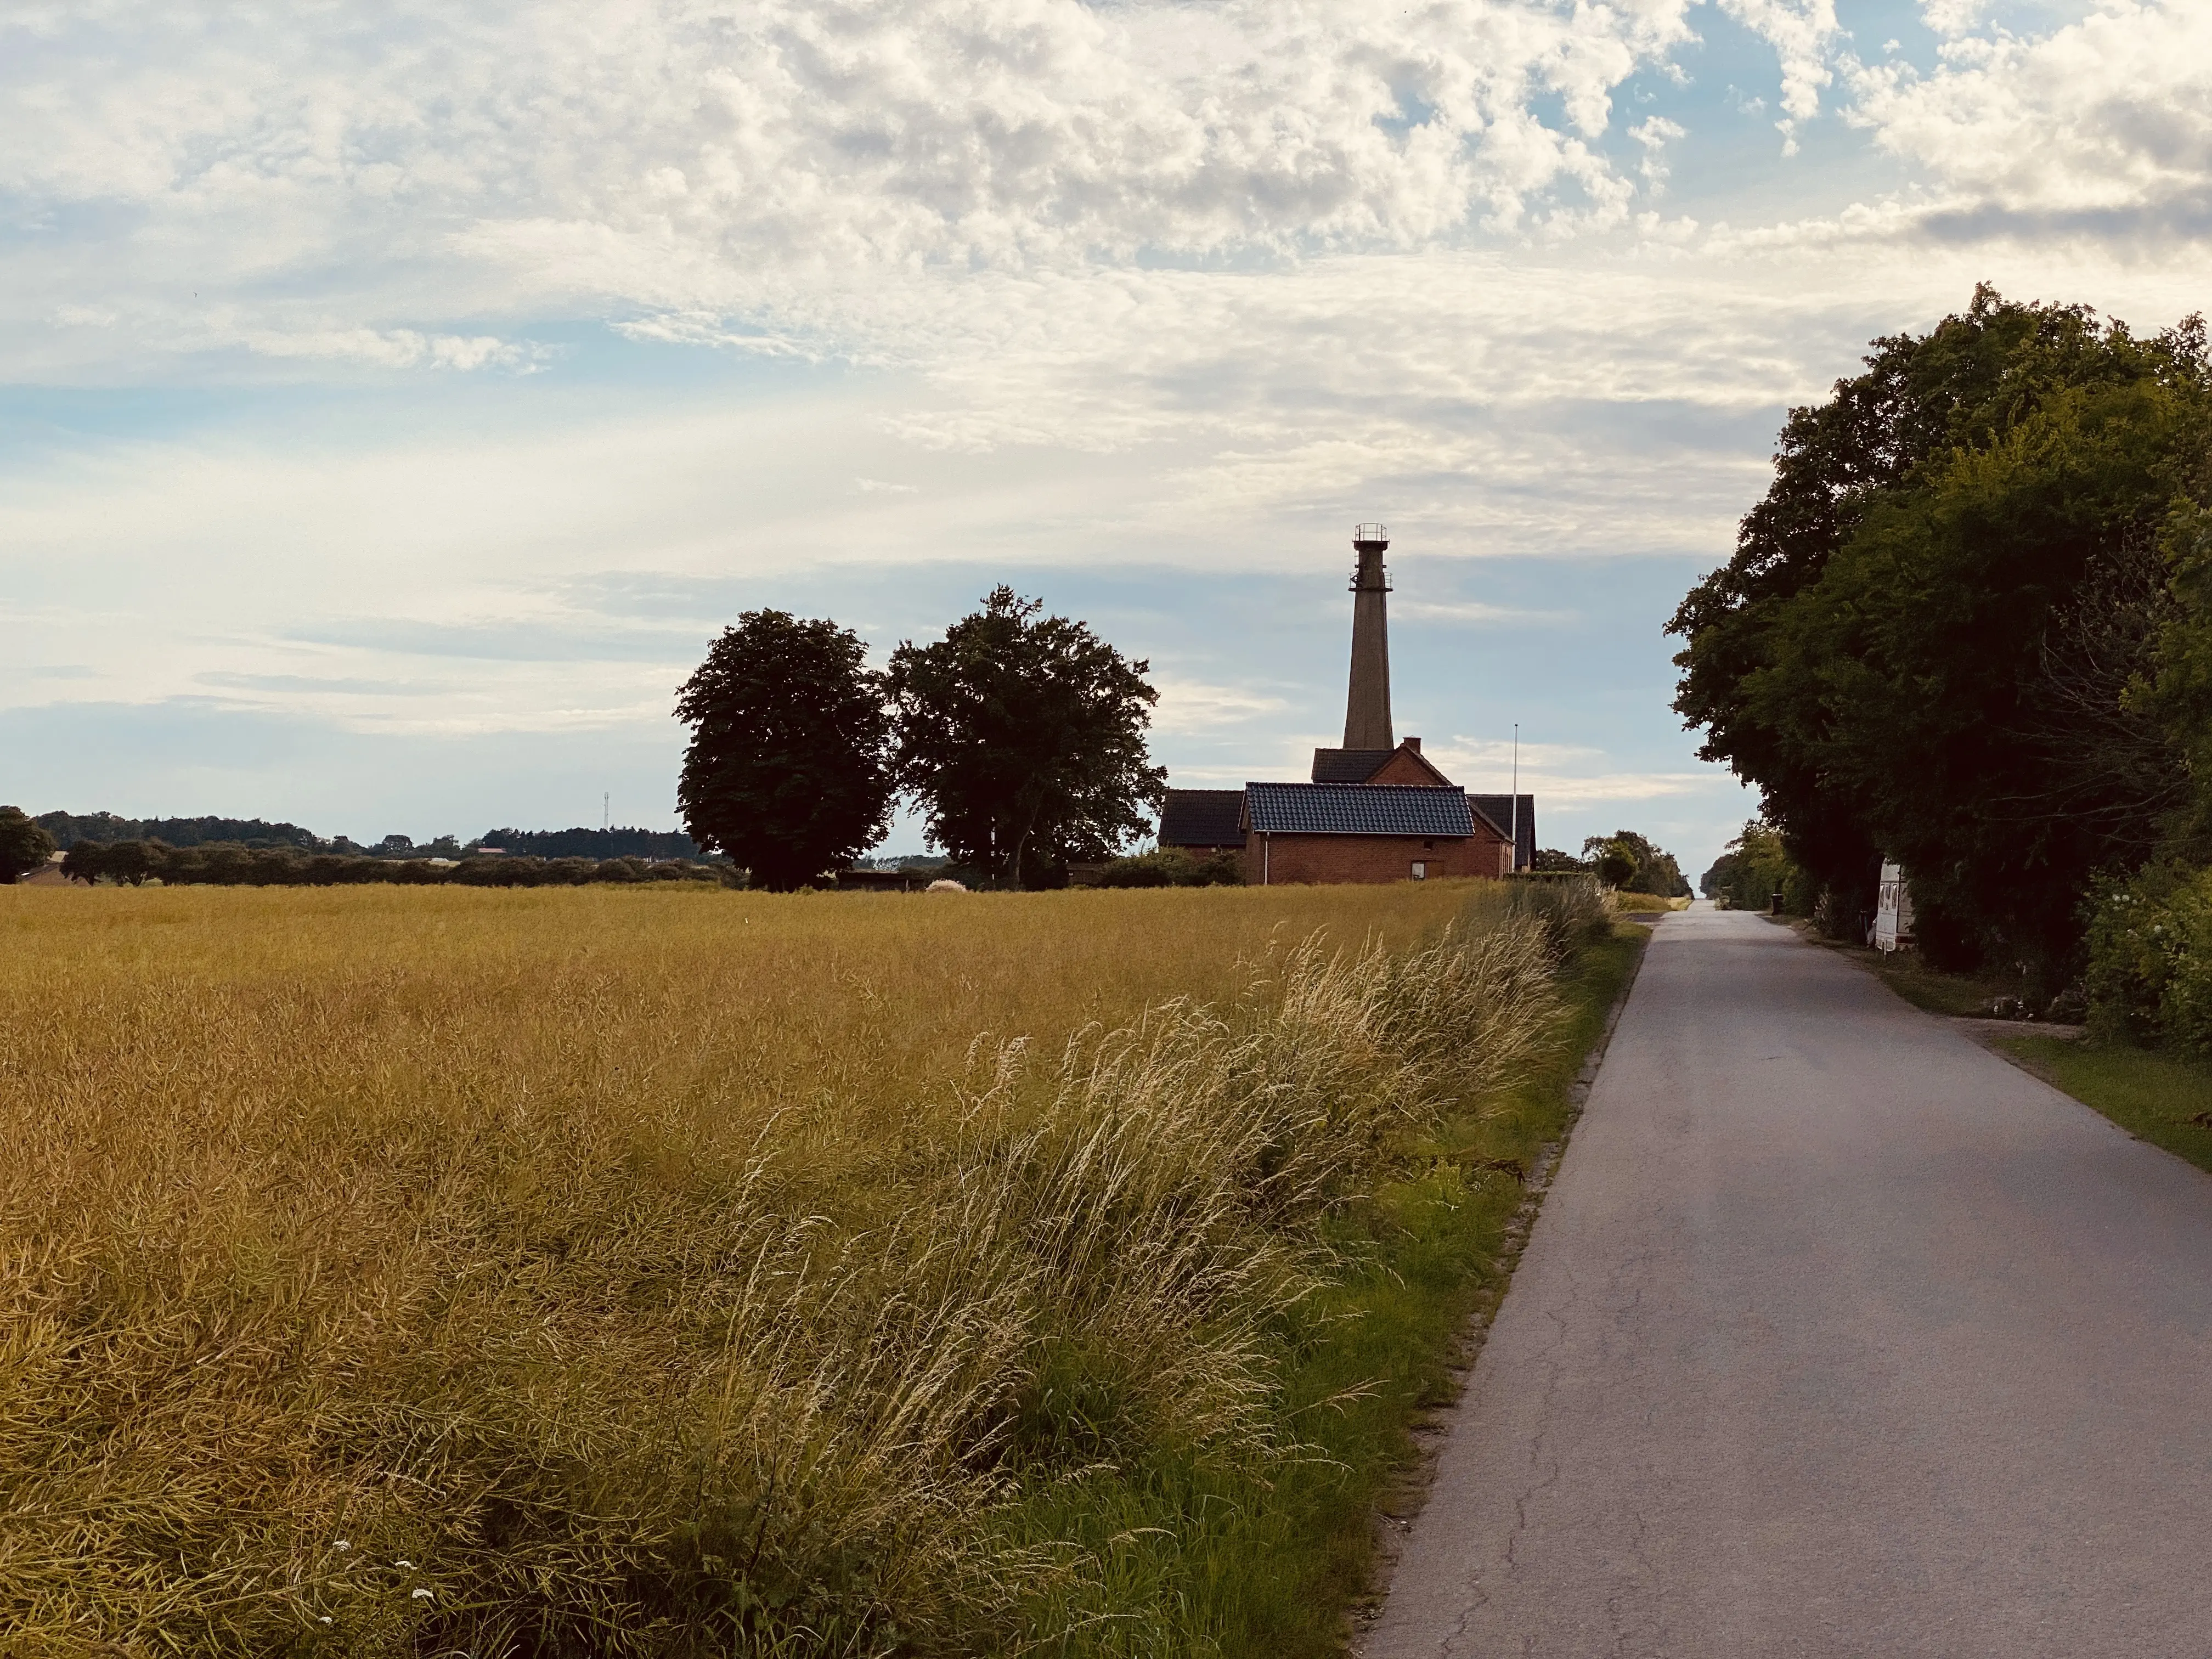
(1516, 798)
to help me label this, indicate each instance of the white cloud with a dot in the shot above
(690, 154)
(2101, 128)
(1655, 134)
(1951, 18)
(1195, 706)
(1471, 610)
(1802, 33)
(1564, 776)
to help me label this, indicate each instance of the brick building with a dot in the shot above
(1342, 832)
(1376, 810)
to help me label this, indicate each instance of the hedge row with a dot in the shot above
(1172, 868)
(232, 866)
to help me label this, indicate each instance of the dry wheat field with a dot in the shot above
(582, 1271)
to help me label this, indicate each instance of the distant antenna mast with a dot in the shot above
(1516, 797)
(606, 807)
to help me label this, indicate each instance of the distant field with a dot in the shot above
(701, 1009)
(674, 1271)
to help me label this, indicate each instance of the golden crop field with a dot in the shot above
(669, 1270)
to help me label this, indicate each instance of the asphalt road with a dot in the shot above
(1837, 1335)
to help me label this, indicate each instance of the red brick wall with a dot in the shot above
(1369, 858)
(1403, 768)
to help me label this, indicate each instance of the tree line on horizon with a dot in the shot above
(230, 864)
(1969, 628)
(67, 829)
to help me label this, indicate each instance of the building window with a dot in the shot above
(1428, 847)
(1420, 870)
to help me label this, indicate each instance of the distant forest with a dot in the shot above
(69, 828)
(593, 843)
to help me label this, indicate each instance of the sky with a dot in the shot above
(398, 396)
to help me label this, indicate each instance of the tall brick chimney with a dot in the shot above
(1367, 707)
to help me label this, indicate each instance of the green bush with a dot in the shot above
(1171, 867)
(2150, 958)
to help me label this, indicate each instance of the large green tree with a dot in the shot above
(787, 771)
(1023, 735)
(24, 844)
(1631, 862)
(2175, 693)
(1923, 646)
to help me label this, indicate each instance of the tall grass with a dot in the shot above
(671, 1273)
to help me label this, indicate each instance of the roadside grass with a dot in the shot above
(1206, 1562)
(397, 1271)
(2162, 1098)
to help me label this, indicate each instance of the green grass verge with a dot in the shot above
(2160, 1097)
(1207, 1560)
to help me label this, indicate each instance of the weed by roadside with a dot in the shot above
(1199, 1560)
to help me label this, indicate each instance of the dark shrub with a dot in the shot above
(1171, 866)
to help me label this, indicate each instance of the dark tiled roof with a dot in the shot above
(1202, 817)
(1352, 809)
(1499, 809)
(1360, 765)
(1348, 765)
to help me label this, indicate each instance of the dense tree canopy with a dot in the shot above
(1023, 737)
(1629, 861)
(787, 771)
(67, 829)
(2174, 695)
(1922, 646)
(24, 844)
(620, 842)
